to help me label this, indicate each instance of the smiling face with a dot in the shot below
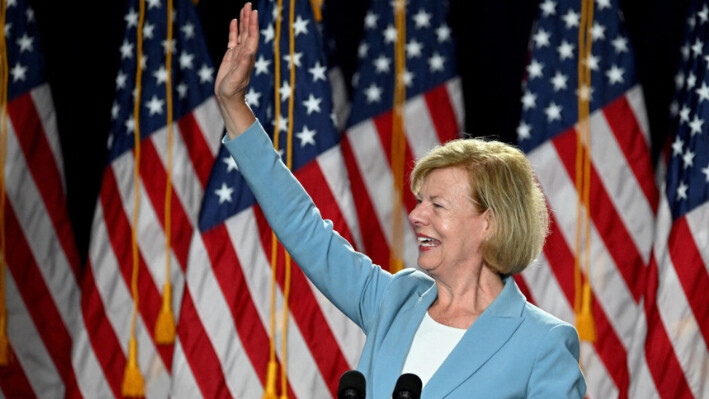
(449, 227)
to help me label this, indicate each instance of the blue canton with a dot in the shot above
(24, 62)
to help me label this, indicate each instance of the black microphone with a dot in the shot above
(408, 386)
(352, 386)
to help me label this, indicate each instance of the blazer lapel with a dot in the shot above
(482, 340)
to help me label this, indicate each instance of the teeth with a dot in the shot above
(427, 242)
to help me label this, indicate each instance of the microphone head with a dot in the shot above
(352, 385)
(408, 386)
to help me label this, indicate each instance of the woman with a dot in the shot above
(462, 324)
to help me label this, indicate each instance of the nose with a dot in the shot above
(417, 216)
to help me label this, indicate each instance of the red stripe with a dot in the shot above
(104, 342)
(609, 225)
(118, 228)
(442, 113)
(152, 173)
(692, 272)
(38, 300)
(608, 346)
(235, 290)
(373, 240)
(46, 173)
(626, 129)
(13, 381)
(199, 352)
(662, 361)
(199, 152)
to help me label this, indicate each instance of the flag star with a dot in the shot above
(160, 75)
(131, 18)
(205, 73)
(268, 34)
(435, 63)
(373, 93)
(684, 114)
(603, 4)
(182, 90)
(282, 124)
(534, 69)
(559, 81)
(585, 92)
(252, 97)
(685, 51)
(230, 163)
(148, 29)
(29, 13)
(703, 14)
(25, 43)
(565, 50)
(143, 61)
(390, 34)
(318, 72)
(173, 46)
(381, 64)
(224, 193)
(548, 8)
(11, 3)
(598, 31)
(696, 125)
(553, 112)
(295, 59)
(153, 4)
(115, 109)
(413, 49)
(362, 50)
(571, 19)
(155, 105)
(126, 49)
(130, 125)
(674, 108)
(523, 131)
(285, 90)
(620, 44)
(312, 104)
(679, 80)
(370, 20)
(300, 25)
(706, 58)
(697, 47)
(261, 65)
(306, 136)
(186, 60)
(422, 19)
(688, 159)
(706, 172)
(592, 62)
(443, 33)
(18, 72)
(529, 100)
(682, 191)
(541, 38)
(677, 146)
(188, 30)
(703, 92)
(691, 80)
(121, 80)
(615, 75)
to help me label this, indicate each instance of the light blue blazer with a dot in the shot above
(513, 350)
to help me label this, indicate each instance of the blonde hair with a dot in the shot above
(502, 181)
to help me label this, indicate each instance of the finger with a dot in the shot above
(232, 34)
(253, 30)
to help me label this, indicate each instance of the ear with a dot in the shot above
(489, 227)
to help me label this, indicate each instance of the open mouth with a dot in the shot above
(427, 242)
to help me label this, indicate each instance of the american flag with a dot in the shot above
(623, 195)
(225, 331)
(677, 311)
(101, 353)
(41, 263)
(433, 114)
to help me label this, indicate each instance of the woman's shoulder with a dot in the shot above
(544, 321)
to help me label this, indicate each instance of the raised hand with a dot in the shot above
(235, 72)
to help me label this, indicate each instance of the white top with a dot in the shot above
(432, 344)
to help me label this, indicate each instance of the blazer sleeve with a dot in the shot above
(556, 372)
(346, 277)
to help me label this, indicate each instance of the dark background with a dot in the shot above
(81, 40)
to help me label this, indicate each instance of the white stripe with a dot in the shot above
(546, 291)
(31, 352)
(39, 232)
(675, 312)
(455, 93)
(420, 131)
(637, 103)
(303, 374)
(183, 383)
(42, 99)
(216, 317)
(642, 385)
(89, 373)
(620, 183)
(211, 123)
(698, 220)
(599, 384)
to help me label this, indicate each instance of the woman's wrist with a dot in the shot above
(237, 117)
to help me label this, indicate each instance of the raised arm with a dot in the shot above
(235, 72)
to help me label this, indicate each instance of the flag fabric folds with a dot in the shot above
(621, 197)
(677, 311)
(171, 106)
(239, 286)
(39, 261)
